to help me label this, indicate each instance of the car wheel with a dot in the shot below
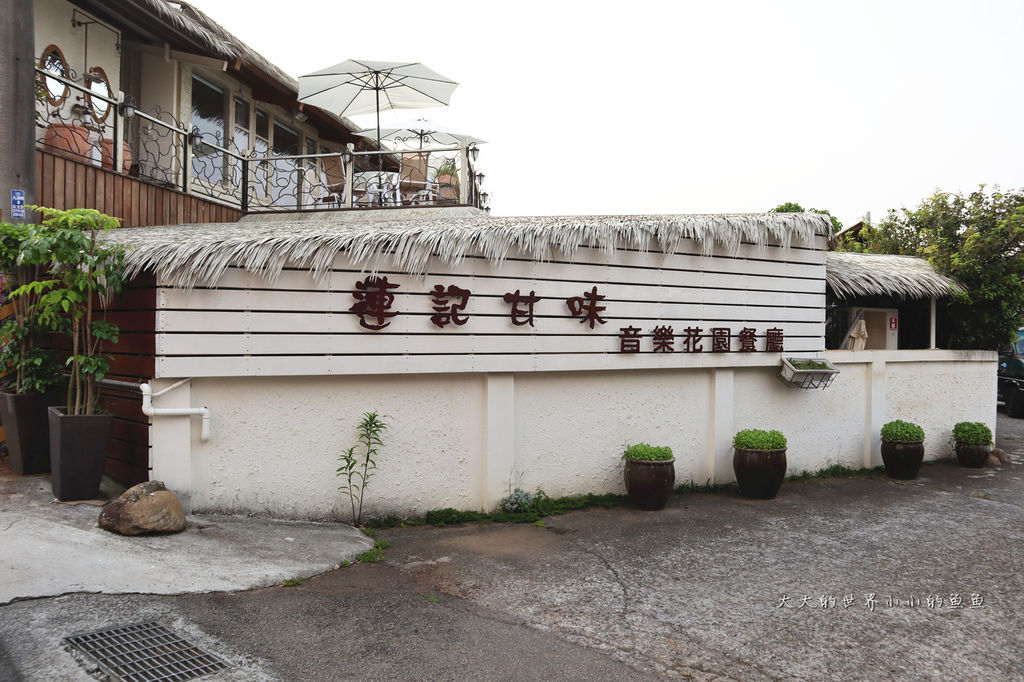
(1014, 402)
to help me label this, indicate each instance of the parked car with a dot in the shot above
(1010, 384)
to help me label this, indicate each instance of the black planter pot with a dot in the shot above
(902, 459)
(972, 455)
(78, 451)
(650, 483)
(26, 430)
(759, 473)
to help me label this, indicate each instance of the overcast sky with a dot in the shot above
(693, 107)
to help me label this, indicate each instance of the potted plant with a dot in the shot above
(84, 270)
(447, 178)
(30, 368)
(973, 444)
(759, 462)
(807, 373)
(902, 449)
(650, 475)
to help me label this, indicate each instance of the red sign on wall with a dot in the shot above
(893, 321)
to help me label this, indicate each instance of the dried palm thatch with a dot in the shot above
(189, 21)
(867, 274)
(190, 255)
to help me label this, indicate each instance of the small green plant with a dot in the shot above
(355, 470)
(375, 555)
(344, 564)
(517, 501)
(804, 363)
(292, 582)
(901, 431)
(647, 453)
(972, 433)
(446, 168)
(759, 439)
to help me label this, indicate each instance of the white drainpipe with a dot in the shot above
(150, 411)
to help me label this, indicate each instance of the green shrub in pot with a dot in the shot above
(902, 448)
(650, 475)
(972, 442)
(759, 462)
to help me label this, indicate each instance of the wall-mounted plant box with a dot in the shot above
(807, 372)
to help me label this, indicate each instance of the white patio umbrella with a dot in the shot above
(358, 87)
(422, 130)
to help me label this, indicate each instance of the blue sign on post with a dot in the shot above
(18, 203)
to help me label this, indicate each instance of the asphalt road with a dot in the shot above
(843, 579)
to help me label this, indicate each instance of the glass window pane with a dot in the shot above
(241, 113)
(208, 110)
(262, 124)
(286, 140)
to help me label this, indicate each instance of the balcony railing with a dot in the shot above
(153, 146)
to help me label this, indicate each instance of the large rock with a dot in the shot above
(145, 508)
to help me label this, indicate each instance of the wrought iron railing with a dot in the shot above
(153, 146)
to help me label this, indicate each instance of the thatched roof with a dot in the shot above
(193, 254)
(868, 274)
(206, 32)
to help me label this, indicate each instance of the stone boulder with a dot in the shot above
(145, 508)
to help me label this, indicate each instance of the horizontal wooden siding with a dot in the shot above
(245, 326)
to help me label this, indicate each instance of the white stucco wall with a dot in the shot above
(85, 46)
(457, 440)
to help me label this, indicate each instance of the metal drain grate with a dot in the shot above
(146, 652)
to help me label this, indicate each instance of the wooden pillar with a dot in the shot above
(17, 104)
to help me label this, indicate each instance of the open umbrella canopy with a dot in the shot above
(360, 87)
(421, 131)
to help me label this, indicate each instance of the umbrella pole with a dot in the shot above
(380, 157)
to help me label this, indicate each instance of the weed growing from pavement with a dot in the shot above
(372, 556)
(355, 470)
(292, 582)
(543, 506)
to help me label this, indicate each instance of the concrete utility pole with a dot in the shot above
(17, 106)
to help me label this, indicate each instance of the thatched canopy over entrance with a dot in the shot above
(406, 240)
(852, 275)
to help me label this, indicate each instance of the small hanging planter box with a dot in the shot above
(807, 372)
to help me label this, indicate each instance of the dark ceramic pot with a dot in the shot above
(26, 430)
(78, 451)
(759, 473)
(902, 459)
(649, 484)
(973, 455)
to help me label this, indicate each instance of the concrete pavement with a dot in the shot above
(48, 548)
(838, 579)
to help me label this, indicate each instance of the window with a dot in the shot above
(241, 139)
(53, 62)
(208, 109)
(286, 140)
(99, 84)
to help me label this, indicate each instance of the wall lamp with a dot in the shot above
(126, 109)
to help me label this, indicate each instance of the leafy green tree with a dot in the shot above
(793, 207)
(32, 367)
(84, 270)
(977, 239)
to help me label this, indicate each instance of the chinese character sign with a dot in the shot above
(375, 307)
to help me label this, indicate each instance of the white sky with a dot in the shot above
(692, 107)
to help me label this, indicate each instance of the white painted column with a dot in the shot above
(877, 412)
(931, 328)
(171, 439)
(721, 425)
(499, 439)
